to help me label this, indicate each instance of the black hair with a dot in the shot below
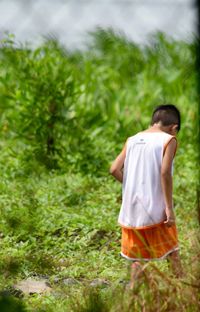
(167, 114)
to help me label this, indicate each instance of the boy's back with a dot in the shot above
(143, 202)
(147, 219)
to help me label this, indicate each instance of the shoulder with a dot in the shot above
(169, 138)
(170, 146)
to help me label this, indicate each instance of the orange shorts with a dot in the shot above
(151, 243)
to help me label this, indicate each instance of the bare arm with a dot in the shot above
(117, 165)
(166, 181)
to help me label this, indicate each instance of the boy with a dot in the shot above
(146, 217)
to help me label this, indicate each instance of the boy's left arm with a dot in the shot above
(117, 165)
(166, 181)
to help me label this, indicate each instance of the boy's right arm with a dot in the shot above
(166, 181)
(117, 165)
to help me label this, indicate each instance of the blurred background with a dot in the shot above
(68, 102)
(70, 20)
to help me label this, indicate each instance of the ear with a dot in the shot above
(174, 128)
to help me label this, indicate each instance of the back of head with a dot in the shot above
(167, 114)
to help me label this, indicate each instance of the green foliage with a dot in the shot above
(40, 96)
(63, 105)
(93, 301)
(10, 304)
(64, 116)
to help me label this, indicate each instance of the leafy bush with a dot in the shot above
(69, 108)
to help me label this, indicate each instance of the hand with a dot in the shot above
(170, 217)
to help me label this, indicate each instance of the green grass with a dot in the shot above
(64, 118)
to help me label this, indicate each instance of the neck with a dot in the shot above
(156, 127)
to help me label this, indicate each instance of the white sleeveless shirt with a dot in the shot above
(142, 197)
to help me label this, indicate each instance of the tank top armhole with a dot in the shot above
(166, 144)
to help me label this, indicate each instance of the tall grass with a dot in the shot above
(64, 116)
(60, 104)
